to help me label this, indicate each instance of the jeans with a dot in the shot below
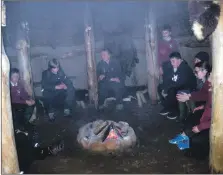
(59, 99)
(21, 114)
(170, 103)
(199, 142)
(110, 89)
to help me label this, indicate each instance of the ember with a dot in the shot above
(103, 136)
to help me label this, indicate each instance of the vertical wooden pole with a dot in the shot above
(9, 154)
(24, 63)
(151, 53)
(216, 135)
(91, 64)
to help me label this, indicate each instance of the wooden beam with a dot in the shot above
(216, 136)
(91, 64)
(151, 53)
(24, 63)
(9, 154)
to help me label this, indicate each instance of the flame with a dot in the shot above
(112, 135)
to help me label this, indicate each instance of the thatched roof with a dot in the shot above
(62, 23)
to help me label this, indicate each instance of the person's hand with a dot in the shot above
(195, 129)
(30, 102)
(61, 86)
(115, 80)
(101, 77)
(198, 108)
(210, 88)
(64, 86)
(183, 97)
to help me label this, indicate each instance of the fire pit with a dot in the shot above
(106, 136)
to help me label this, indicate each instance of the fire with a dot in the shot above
(112, 135)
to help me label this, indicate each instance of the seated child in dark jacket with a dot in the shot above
(58, 90)
(22, 103)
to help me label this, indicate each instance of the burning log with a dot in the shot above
(91, 65)
(106, 136)
(22, 47)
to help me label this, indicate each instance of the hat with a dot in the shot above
(203, 56)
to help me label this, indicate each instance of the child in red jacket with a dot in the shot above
(22, 104)
(196, 132)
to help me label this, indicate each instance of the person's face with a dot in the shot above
(196, 60)
(55, 70)
(105, 56)
(200, 73)
(15, 78)
(166, 34)
(175, 62)
(210, 77)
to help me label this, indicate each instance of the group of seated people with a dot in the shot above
(186, 96)
(26, 136)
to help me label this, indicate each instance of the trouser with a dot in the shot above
(21, 114)
(199, 142)
(159, 90)
(59, 99)
(170, 103)
(105, 88)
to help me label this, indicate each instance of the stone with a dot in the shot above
(106, 136)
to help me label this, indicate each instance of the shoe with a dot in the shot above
(101, 107)
(171, 117)
(178, 139)
(51, 116)
(119, 107)
(56, 148)
(183, 145)
(66, 112)
(164, 112)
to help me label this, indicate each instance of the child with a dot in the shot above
(196, 132)
(22, 104)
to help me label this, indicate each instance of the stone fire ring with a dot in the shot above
(106, 136)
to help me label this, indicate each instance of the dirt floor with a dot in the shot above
(152, 154)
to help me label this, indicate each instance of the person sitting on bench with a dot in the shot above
(110, 78)
(58, 90)
(22, 104)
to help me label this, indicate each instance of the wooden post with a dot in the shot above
(22, 47)
(216, 135)
(9, 154)
(91, 64)
(151, 53)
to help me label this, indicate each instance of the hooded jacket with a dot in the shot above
(182, 79)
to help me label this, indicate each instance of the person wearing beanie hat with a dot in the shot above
(201, 57)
